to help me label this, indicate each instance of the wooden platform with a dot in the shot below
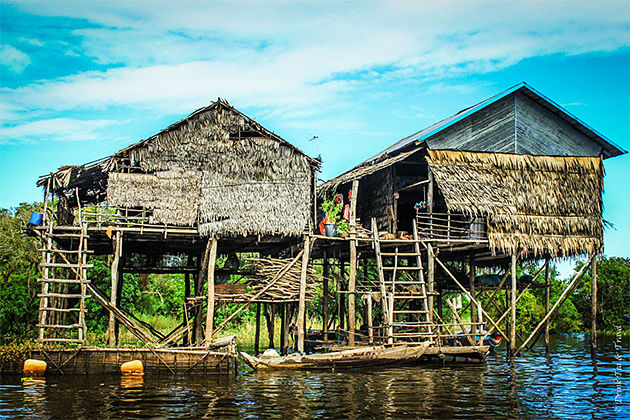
(95, 360)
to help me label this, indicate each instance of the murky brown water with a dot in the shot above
(566, 385)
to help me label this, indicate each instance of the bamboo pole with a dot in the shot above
(353, 263)
(594, 305)
(302, 297)
(114, 273)
(369, 318)
(260, 292)
(513, 306)
(558, 303)
(212, 257)
(547, 303)
(326, 270)
(257, 331)
(483, 311)
(431, 279)
(471, 284)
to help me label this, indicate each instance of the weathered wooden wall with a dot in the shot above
(376, 199)
(541, 132)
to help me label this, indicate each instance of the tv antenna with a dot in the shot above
(316, 138)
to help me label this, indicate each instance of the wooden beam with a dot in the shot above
(594, 305)
(352, 280)
(273, 281)
(547, 303)
(369, 318)
(302, 297)
(558, 303)
(114, 273)
(513, 306)
(471, 284)
(257, 331)
(470, 297)
(212, 258)
(325, 274)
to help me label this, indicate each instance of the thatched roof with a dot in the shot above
(217, 169)
(535, 204)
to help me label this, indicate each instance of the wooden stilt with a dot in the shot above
(257, 331)
(121, 282)
(352, 279)
(212, 258)
(270, 315)
(302, 297)
(186, 340)
(513, 306)
(197, 323)
(114, 273)
(283, 328)
(547, 302)
(471, 284)
(430, 279)
(370, 322)
(556, 305)
(342, 296)
(594, 305)
(325, 274)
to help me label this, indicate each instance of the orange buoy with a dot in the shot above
(34, 367)
(134, 367)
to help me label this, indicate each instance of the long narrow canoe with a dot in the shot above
(359, 357)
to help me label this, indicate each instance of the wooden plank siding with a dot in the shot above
(491, 129)
(515, 124)
(541, 132)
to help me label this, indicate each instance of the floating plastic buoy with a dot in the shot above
(135, 367)
(34, 367)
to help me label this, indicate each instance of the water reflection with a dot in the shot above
(566, 383)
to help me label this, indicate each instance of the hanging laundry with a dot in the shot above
(346, 212)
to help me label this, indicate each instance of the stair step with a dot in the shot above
(66, 251)
(65, 265)
(403, 268)
(409, 335)
(59, 326)
(68, 281)
(411, 324)
(65, 340)
(61, 309)
(409, 297)
(400, 254)
(62, 295)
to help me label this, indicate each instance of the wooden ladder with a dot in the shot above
(402, 286)
(64, 284)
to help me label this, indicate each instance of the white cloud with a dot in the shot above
(288, 58)
(13, 59)
(57, 129)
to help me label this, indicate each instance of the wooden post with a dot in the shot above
(121, 281)
(198, 327)
(270, 315)
(594, 305)
(186, 296)
(513, 307)
(283, 327)
(473, 292)
(547, 302)
(342, 296)
(302, 297)
(431, 279)
(430, 200)
(257, 331)
(369, 318)
(114, 274)
(352, 281)
(212, 258)
(325, 274)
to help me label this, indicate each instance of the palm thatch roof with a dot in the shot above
(534, 204)
(216, 169)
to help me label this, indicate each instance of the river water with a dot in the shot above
(567, 384)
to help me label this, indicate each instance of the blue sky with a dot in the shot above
(80, 80)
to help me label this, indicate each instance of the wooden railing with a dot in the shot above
(451, 226)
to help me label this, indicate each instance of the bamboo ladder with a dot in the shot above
(400, 285)
(64, 284)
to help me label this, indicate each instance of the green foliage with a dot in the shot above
(332, 209)
(613, 293)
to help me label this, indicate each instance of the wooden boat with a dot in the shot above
(359, 357)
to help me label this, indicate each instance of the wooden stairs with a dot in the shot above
(402, 287)
(64, 284)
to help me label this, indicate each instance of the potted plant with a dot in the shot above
(332, 207)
